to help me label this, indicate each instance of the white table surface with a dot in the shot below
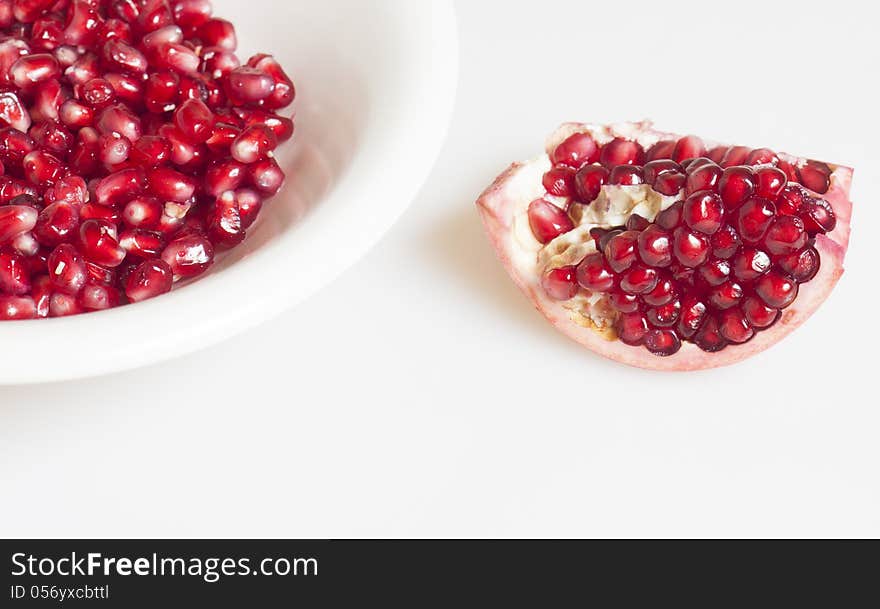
(421, 395)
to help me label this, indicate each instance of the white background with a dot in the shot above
(421, 395)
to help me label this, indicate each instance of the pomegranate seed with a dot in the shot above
(15, 220)
(98, 93)
(265, 175)
(704, 212)
(148, 280)
(32, 69)
(786, 235)
(736, 185)
(726, 295)
(14, 278)
(715, 271)
(120, 186)
(141, 243)
(150, 151)
(257, 141)
(56, 224)
(816, 176)
(776, 290)
(631, 328)
(690, 248)
(118, 119)
(761, 156)
(734, 326)
(662, 294)
(17, 307)
(770, 182)
(708, 337)
(758, 314)
(154, 14)
(560, 284)
(93, 211)
(802, 266)
(127, 88)
(195, 121)
(735, 155)
(637, 223)
(716, 155)
(189, 256)
(67, 270)
(218, 33)
(627, 175)
(753, 219)
(750, 263)
(661, 150)
(818, 216)
(124, 57)
(593, 274)
(725, 242)
(82, 24)
(665, 176)
(623, 302)
(704, 177)
(192, 13)
(654, 247)
(662, 342)
(639, 279)
(62, 305)
(13, 112)
(224, 222)
(95, 297)
(283, 91)
(576, 151)
(588, 182)
(688, 147)
(249, 205)
(114, 149)
(546, 220)
(790, 200)
(248, 85)
(98, 244)
(670, 217)
(620, 151)
(692, 316)
(620, 251)
(559, 181)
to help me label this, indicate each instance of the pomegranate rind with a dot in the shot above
(502, 207)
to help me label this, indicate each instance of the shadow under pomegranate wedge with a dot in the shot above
(668, 252)
(134, 145)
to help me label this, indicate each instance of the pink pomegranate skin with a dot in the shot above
(502, 202)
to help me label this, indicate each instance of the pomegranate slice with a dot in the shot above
(670, 252)
(134, 144)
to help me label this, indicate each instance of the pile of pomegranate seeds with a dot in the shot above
(133, 145)
(715, 267)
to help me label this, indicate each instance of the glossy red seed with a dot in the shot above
(14, 276)
(662, 293)
(688, 147)
(97, 297)
(661, 150)
(802, 266)
(148, 280)
(776, 289)
(750, 263)
(734, 326)
(704, 177)
(67, 269)
(725, 295)
(588, 182)
(758, 314)
(654, 246)
(703, 211)
(725, 242)
(708, 337)
(692, 315)
(639, 279)
(736, 186)
(98, 244)
(56, 224)
(560, 284)
(623, 302)
(631, 328)
(223, 222)
(790, 200)
(753, 219)
(620, 151)
(218, 33)
(620, 250)
(717, 153)
(690, 248)
(761, 156)
(626, 175)
(559, 181)
(15, 220)
(194, 120)
(576, 151)
(637, 223)
(818, 216)
(735, 155)
(662, 342)
(189, 255)
(664, 316)
(816, 176)
(714, 271)
(670, 217)
(548, 221)
(17, 307)
(141, 243)
(785, 236)
(769, 182)
(593, 274)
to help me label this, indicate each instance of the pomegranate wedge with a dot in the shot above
(669, 252)
(134, 144)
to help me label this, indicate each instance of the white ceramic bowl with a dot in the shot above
(375, 90)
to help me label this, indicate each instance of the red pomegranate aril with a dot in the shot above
(761, 156)
(114, 149)
(62, 305)
(546, 220)
(189, 256)
(223, 223)
(661, 150)
(688, 147)
(26, 245)
(726, 295)
(218, 33)
(32, 69)
(670, 217)
(249, 205)
(142, 212)
(283, 91)
(802, 266)
(665, 176)
(623, 302)
(785, 236)
(626, 175)
(705, 177)
(120, 186)
(593, 274)
(576, 151)
(691, 317)
(56, 224)
(82, 24)
(715, 271)
(148, 280)
(753, 219)
(631, 328)
(690, 248)
(221, 138)
(121, 56)
(194, 120)
(703, 211)
(620, 250)
(790, 200)
(816, 176)
(708, 337)
(818, 216)
(769, 182)
(734, 326)
(776, 289)
(15, 220)
(113, 29)
(118, 119)
(99, 274)
(758, 314)
(716, 154)
(17, 307)
(247, 85)
(735, 155)
(257, 141)
(67, 269)
(191, 13)
(141, 243)
(560, 284)
(266, 176)
(725, 242)
(588, 182)
(170, 185)
(750, 263)
(664, 316)
(96, 297)
(637, 223)
(93, 211)
(736, 185)
(13, 112)
(98, 244)
(662, 293)
(281, 125)
(150, 151)
(128, 88)
(662, 342)
(639, 279)
(98, 93)
(14, 277)
(160, 91)
(654, 247)
(558, 181)
(41, 168)
(620, 151)
(153, 14)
